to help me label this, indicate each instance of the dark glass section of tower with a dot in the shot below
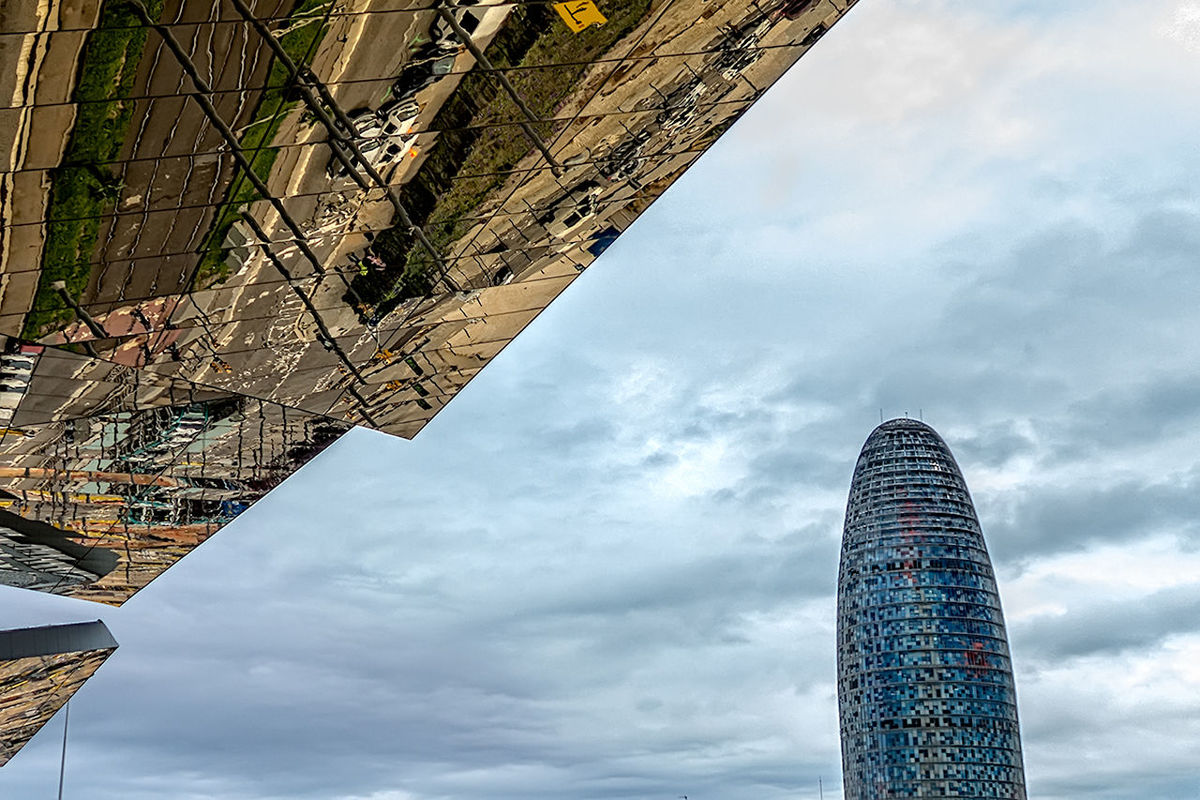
(925, 685)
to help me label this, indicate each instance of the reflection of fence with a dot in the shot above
(86, 475)
(166, 431)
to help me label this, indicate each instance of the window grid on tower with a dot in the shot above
(925, 688)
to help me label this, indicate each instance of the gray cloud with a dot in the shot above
(1111, 628)
(1040, 521)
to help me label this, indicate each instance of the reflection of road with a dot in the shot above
(131, 246)
(253, 334)
(351, 48)
(38, 65)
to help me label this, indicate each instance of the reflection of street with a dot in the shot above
(425, 180)
(539, 228)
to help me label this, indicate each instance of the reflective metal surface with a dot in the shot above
(232, 231)
(40, 668)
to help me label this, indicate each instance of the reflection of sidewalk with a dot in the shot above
(41, 66)
(303, 174)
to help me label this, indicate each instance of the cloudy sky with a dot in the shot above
(607, 570)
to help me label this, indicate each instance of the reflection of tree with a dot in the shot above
(477, 139)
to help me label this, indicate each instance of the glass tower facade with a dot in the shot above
(925, 686)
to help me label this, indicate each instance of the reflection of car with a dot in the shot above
(383, 135)
(603, 239)
(419, 75)
(16, 371)
(741, 48)
(623, 162)
(813, 35)
(794, 8)
(572, 209)
(469, 18)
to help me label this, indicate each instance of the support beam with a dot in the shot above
(265, 243)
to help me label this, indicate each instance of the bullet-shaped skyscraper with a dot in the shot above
(925, 685)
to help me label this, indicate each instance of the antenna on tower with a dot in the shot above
(881, 416)
(921, 412)
(821, 789)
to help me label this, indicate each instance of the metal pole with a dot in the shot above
(62, 766)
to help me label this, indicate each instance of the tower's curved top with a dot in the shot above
(904, 461)
(925, 686)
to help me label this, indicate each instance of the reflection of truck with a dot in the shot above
(572, 210)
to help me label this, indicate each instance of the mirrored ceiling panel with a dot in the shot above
(230, 231)
(40, 670)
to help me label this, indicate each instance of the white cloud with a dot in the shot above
(1184, 26)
